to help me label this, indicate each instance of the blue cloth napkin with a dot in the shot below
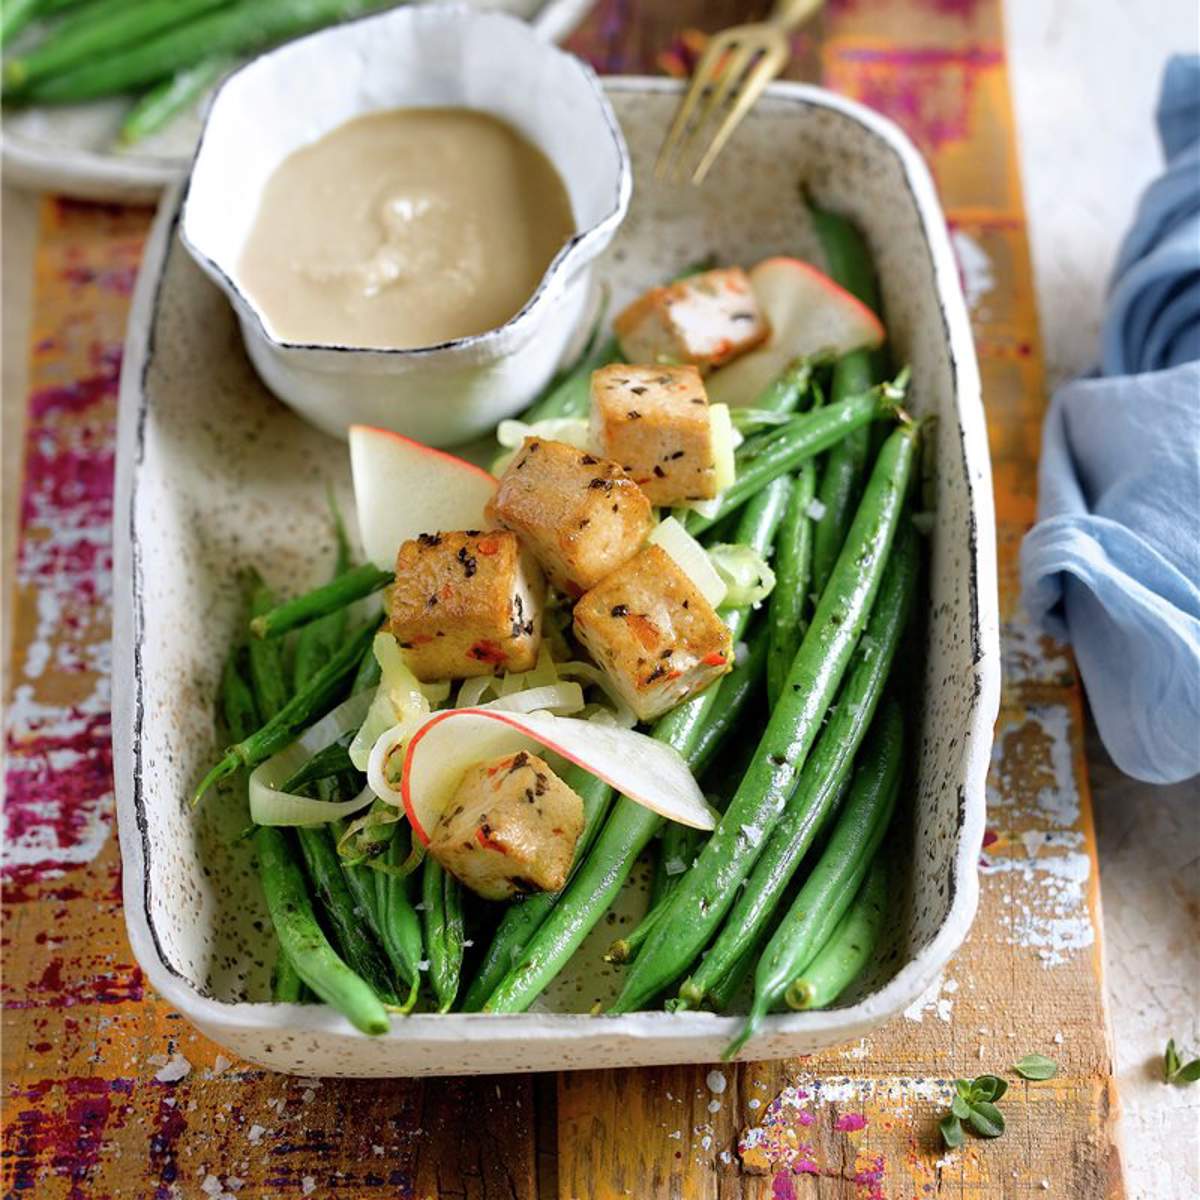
(1113, 563)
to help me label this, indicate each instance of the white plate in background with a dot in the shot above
(71, 148)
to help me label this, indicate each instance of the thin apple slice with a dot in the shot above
(648, 772)
(402, 488)
(809, 315)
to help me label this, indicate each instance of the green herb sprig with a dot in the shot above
(975, 1103)
(975, 1099)
(1175, 1070)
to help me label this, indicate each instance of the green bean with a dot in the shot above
(368, 674)
(845, 467)
(442, 897)
(723, 994)
(783, 395)
(522, 920)
(94, 35)
(846, 256)
(830, 887)
(243, 713)
(708, 890)
(800, 439)
(825, 774)
(348, 587)
(241, 717)
(237, 699)
(286, 985)
(849, 264)
(239, 28)
(850, 947)
(399, 924)
(158, 107)
(14, 16)
(266, 658)
(629, 826)
(350, 925)
(328, 763)
(303, 942)
(318, 640)
(301, 710)
(679, 843)
(659, 882)
(793, 563)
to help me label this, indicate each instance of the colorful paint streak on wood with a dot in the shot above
(109, 1095)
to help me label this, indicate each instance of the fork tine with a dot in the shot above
(772, 62)
(739, 58)
(702, 76)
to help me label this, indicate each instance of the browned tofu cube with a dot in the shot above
(654, 421)
(580, 515)
(467, 603)
(706, 319)
(510, 829)
(654, 634)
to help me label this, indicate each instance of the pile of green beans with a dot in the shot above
(824, 776)
(745, 902)
(707, 891)
(838, 874)
(167, 52)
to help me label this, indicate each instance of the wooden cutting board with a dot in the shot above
(108, 1093)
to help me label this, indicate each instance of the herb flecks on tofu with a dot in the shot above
(581, 516)
(666, 442)
(653, 633)
(706, 319)
(510, 829)
(467, 603)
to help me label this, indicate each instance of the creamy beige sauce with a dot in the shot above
(404, 228)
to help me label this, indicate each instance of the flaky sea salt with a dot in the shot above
(716, 1082)
(176, 1069)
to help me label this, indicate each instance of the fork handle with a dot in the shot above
(788, 14)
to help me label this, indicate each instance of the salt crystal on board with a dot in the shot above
(176, 1069)
(716, 1082)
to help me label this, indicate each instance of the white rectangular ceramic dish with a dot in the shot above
(214, 473)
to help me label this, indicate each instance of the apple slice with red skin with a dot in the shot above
(648, 772)
(809, 314)
(403, 488)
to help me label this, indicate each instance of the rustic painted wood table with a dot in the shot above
(108, 1093)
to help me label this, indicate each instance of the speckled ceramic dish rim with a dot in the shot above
(673, 1034)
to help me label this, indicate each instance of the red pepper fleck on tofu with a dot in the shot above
(510, 828)
(466, 603)
(487, 652)
(653, 633)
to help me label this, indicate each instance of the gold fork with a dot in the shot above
(737, 64)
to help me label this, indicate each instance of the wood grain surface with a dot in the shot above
(109, 1094)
